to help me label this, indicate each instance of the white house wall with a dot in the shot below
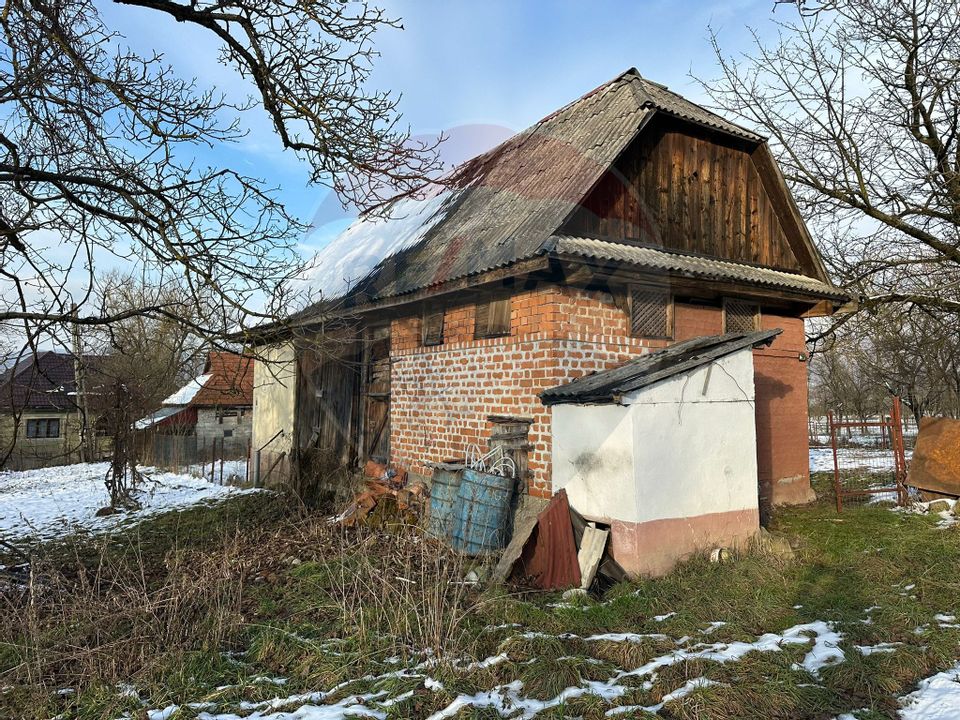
(672, 469)
(274, 404)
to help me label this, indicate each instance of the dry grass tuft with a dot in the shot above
(106, 613)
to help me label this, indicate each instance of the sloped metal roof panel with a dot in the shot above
(609, 385)
(513, 197)
(664, 99)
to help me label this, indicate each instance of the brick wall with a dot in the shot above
(780, 377)
(441, 396)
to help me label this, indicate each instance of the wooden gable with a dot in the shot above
(694, 191)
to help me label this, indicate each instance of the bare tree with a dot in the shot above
(98, 140)
(861, 100)
(133, 365)
(893, 349)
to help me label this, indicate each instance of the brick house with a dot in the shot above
(624, 222)
(214, 407)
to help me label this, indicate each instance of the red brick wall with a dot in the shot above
(441, 396)
(783, 461)
(783, 453)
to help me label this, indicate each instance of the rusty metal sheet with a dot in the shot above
(936, 458)
(549, 557)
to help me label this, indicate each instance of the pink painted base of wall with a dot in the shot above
(654, 548)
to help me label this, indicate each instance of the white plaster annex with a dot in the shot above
(672, 467)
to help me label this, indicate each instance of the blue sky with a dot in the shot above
(480, 70)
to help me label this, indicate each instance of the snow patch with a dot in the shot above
(48, 503)
(184, 395)
(886, 647)
(936, 698)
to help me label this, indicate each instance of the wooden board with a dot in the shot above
(690, 192)
(376, 421)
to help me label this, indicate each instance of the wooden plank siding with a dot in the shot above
(692, 192)
(327, 389)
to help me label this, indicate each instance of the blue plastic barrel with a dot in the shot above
(482, 512)
(443, 498)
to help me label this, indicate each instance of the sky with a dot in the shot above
(477, 71)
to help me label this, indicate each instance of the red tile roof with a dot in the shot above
(231, 381)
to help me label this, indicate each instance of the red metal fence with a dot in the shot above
(869, 459)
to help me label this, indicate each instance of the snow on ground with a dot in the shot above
(234, 471)
(867, 459)
(50, 502)
(509, 699)
(936, 698)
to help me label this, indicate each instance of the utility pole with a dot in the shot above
(80, 381)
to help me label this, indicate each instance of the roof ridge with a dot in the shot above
(590, 93)
(521, 135)
(721, 120)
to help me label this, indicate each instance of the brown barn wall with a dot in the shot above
(688, 193)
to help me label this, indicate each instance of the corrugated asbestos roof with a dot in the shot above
(697, 266)
(609, 385)
(658, 96)
(509, 200)
(506, 204)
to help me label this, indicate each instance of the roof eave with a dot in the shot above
(839, 298)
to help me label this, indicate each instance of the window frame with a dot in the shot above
(491, 332)
(668, 309)
(46, 424)
(756, 314)
(426, 341)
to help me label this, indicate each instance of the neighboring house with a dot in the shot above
(40, 417)
(624, 222)
(216, 406)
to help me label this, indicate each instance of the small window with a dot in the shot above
(43, 428)
(740, 316)
(228, 433)
(651, 312)
(493, 318)
(433, 327)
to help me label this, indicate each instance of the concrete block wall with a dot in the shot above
(211, 425)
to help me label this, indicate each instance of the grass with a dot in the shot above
(207, 605)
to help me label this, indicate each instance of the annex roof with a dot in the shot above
(227, 380)
(609, 385)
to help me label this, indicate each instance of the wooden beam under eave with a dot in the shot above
(824, 308)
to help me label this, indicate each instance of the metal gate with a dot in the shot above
(869, 461)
